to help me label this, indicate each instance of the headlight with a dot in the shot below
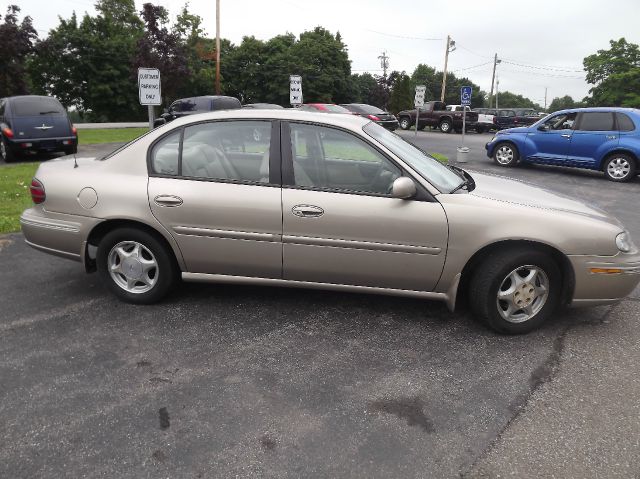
(624, 243)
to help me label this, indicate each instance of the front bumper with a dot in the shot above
(19, 145)
(593, 288)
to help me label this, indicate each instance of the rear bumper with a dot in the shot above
(18, 145)
(55, 233)
(604, 288)
(389, 124)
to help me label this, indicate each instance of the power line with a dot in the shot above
(404, 36)
(542, 68)
(471, 68)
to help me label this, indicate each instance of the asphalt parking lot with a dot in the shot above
(238, 381)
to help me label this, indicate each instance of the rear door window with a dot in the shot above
(596, 121)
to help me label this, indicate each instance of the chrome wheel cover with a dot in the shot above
(504, 155)
(522, 294)
(445, 127)
(3, 150)
(619, 168)
(404, 124)
(133, 267)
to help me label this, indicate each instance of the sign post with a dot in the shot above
(418, 102)
(149, 91)
(295, 90)
(465, 101)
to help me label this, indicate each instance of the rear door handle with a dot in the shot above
(167, 200)
(565, 136)
(307, 211)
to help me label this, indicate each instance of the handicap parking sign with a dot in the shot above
(465, 95)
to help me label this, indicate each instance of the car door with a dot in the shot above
(594, 136)
(216, 189)
(550, 142)
(340, 224)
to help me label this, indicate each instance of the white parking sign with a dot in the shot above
(295, 89)
(149, 86)
(418, 101)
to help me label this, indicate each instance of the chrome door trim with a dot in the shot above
(223, 278)
(228, 234)
(368, 245)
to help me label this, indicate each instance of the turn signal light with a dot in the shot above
(74, 131)
(37, 192)
(7, 132)
(606, 270)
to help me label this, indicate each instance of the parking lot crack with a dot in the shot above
(68, 310)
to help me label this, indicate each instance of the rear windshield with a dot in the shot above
(368, 109)
(35, 106)
(336, 109)
(226, 104)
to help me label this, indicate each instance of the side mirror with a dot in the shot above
(403, 188)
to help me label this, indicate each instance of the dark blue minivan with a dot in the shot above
(606, 139)
(34, 123)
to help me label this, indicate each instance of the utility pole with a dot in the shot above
(497, 88)
(493, 76)
(217, 47)
(451, 46)
(545, 98)
(384, 63)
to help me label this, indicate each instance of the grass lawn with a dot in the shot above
(441, 158)
(14, 194)
(109, 135)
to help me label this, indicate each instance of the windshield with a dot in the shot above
(428, 167)
(37, 105)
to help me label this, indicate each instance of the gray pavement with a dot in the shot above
(238, 381)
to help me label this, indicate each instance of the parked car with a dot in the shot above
(606, 139)
(262, 106)
(485, 121)
(373, 113)
(34, 123)
(197, 104)
(323, 108)
(324, 201)
(435, 114)
(525, 117)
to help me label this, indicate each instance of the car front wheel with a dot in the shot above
(620, 167)
(515, 290)
(135, 266)
(445, 126)
(405, 124)
(505, 154)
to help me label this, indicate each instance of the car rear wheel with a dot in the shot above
(514, 291)
(405, 123)
(505, 154)
(620, 167)
(445, 126)
(6, 153)
(136, 266)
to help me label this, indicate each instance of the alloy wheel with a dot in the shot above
(3, 150)
(619, 168)
(133, 267)
(522, 294)
(504, 155)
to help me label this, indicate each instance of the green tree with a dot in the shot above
(615, 74)
(402, 94)
(362, 87)
(506, 99)
(17, 42)
(87, 64)
(562, 103)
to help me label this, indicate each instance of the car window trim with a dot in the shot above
(152, 174)
(288, 178)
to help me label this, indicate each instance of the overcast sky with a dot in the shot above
(541, 42)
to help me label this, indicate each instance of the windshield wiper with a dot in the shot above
(467, 179)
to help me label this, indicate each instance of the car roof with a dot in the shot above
(600, 109)
(291, 114)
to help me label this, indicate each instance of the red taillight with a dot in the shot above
(74, 131)
(373, 117)
(37, 192)
(7, 132)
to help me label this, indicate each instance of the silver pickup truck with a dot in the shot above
(485, 122)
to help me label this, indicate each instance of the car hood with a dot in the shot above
(502, 189)
(518, 129)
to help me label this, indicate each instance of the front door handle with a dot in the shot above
(565, 136)
(307, 211)
(168, 200)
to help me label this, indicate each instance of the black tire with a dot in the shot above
(492, 275)
(165, 274)
(71, 151)
(445, 126)
(405, 123)
(6, 153)
(620, 168)
(506, 154)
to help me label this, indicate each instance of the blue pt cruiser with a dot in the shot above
(606, 139)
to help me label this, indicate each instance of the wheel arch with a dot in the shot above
(509, 142)
(568, 275)
(617, 151)
(101, 229)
